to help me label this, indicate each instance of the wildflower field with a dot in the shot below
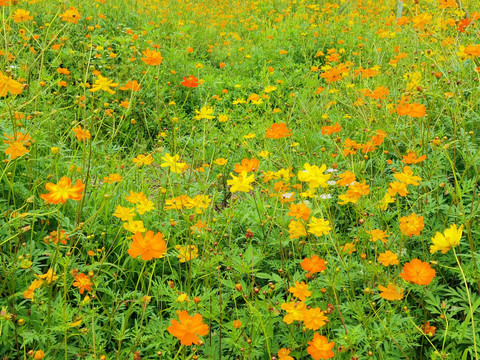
(224, 179)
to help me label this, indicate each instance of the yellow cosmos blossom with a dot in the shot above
(445, 242)
(103, 83)
(319, 227)
(220, 161)
(21, 15)
(241, 182)
(172, 162)
(314, 175)
(205, 113)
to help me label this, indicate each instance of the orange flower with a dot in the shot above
(278, 131)
(191, 82)
(391, 292)
(149, 247)
(17, 145)
(354, 193)
(396, 187)
(300, 291)
(299, 211)
(188, 329)
(81, 134)
(320, 348)
(388, 258)
(314, 319)
(428, 329)
(82, 282)
(328, 130)
(131, 85)
(377, 234)
(295, 311)
(247, 165)
(71, 16)
(38, 355)
(8, 85)
(349, 248)
(411, 158)
(63, 190)
(411, 225)
(407, 177)
(152, 57)
(418, 272)
(313, 265)
(283, 354)
(412, 110)
(237, 324)
(346, 178)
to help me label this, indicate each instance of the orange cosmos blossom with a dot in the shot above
(82, 282)
(346, 178)
(131, 85)
(313, 265)
(278, 131)
(411, 158)
(191, 82)
(63, 190)
(412, 110)
(152, 57)
(17, 144)
(299, 211)
(411, 225)
(418, 272)
(391, 292)
(81, 133)
(283, 354)
(188, 329)
(300, 291)
(72, 16)
(328, 130)
(320, 348)
(149, 246)
(247, 165)
(8, 85)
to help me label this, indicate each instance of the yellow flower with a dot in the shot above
(49, 276)
(387, 199)
(314, 175)
(319, 227)
(142, 159)
(71, 16)
(144, 206)
(269, 89)
(445, 242)
(205, 113)
(21, 15)
(103, 83)
(222, 118)
(186, 253)
(241, 183)
(220, 161)
(249, 136)
(172, 162)
(134, 226)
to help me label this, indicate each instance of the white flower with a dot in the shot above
(287, 195)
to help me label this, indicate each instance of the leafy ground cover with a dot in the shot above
(277, 179)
